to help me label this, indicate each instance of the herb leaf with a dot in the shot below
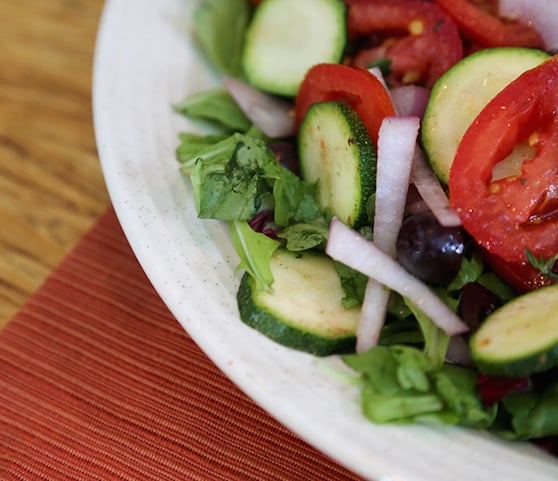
(544, 265)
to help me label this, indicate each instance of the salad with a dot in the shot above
(387, 172)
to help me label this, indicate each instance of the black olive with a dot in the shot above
(429, 250)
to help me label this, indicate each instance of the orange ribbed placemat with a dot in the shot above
(98, 381)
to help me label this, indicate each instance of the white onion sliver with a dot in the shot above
(272, 115)
(396, 145)
(540, 13)
(347, 246)
(431, 191)
(372, 316)
(410, 99)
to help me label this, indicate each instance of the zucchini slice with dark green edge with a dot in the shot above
(303, 310)
(521, 337)
(462, 92)
(336, 151)
(287, 37)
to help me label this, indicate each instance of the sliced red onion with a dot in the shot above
(539, 13)
(410, 99)
(272, 115)
(431, 191)
(347, 246)
(396, 145)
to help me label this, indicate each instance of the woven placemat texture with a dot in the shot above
(98, 381)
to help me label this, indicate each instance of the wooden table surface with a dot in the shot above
(52, 188)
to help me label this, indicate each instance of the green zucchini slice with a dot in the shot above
(303, 311)
(521, 337)
(287, 37)
(335, 151)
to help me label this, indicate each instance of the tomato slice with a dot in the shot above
(418, 37)
(519, 210)
(484, 29)
(521, 276)
(357, 87)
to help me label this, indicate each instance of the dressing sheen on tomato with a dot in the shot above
(521, 276)
(419, 38)
(517, 211)
(357, 87)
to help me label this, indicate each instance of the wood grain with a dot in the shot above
(51, 184)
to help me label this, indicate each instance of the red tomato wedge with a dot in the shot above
(419, 38)
(486, 30)
(517, 211)
(521, 276)
(357, 87)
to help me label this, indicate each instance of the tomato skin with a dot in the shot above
(421, 40)
(357, 87)
(521, 276)
(486, 30)
(518, 212)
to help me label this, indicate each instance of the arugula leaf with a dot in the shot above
(397, 307)
(192, 146)
(255, 251)
(400, 331)
(305, 236)
(353, 284)
(231, 179)
(534, 414)
(497, 286)
(401, 385)
(218, 152)
(436, 341)
(220, 26)
(456, 385)
(295, 200)
(217, 106)
(470, 271)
